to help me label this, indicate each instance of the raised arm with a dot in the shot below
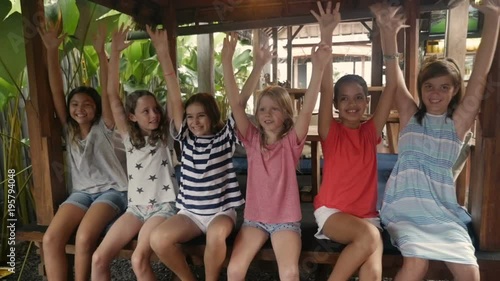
(390, 20)
(262, 55)
(237, 104)
(52, 40)
(118, 44)
(320, 56)
(467, 110)
(328, 19)
(98, 42)
(174, 101)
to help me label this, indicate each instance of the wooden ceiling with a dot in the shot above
(204, 16)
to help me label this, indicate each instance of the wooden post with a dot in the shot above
(456, 37)
(485, 176)
(377, 65)
(206, 63)
(44, 129)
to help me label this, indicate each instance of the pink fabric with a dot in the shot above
(349, 181)
(272, 190)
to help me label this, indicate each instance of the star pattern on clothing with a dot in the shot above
(164, 162)
(138, 166)
(166, 187)
(130, 177)
(140, 190)
(152, 178)
(131, 150)
(152, 151)
(130, 199)
(152, 201)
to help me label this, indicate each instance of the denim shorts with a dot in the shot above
(144, 212)
(271, 228)
(116, 199)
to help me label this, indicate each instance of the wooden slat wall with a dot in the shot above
(44, 130)
(485, 170)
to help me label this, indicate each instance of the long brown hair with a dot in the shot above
(211, 109)
(136, 136)
(434, 67)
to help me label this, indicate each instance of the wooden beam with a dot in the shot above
(206, 83)
(44, 129)
(485, 177)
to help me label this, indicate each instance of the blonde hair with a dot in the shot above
(282, 98)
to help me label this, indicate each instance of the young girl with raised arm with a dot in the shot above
(420, 208)
(209, 190)
(96, 160)
(152, 185)
(274, 146)
(345, 207)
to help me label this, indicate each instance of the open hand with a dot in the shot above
(320, 54)
(159, 37)
(228, 47)
(119, 39)
(100, 39)
(263, 55)
(389, 18)
(50, 35)
(328, 19)
(488, 7)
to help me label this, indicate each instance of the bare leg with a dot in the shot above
(87, 235)
(121, 233)
(361, 238)
(463, 272)
(287, 245)
(372, 268)
(165, 240)
(414, 269)
(248, 242)
(215, 251)
(64, 223)
(142, 253)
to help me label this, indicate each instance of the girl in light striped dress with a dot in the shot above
(209, 191)
(420, 208)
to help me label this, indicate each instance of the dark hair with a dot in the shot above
(73, 127)
(211, 109)
(281, 96)
(432, 68)
(136, 136)
(349, 78)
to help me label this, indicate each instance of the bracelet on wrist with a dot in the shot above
(392, 57)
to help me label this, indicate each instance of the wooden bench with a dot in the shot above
(317, 255)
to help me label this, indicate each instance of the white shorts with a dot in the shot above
(203, 221)
(323, 213)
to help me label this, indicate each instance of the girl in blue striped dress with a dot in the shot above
(420, 208)
(209, 191)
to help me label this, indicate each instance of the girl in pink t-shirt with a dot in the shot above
(273, 145)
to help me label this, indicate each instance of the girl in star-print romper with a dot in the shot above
(152, 187)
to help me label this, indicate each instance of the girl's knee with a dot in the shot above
(289, 272)
(51, 240)
(140, 262)
(85, 241)
(99, 260)
(235, 271)
(160, 240)
(370, 240)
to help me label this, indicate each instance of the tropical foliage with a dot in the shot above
(139, 70)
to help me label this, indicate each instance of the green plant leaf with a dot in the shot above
(12, 54)
(70, 15)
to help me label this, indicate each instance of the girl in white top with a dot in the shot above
(96, 161)
(152, 185)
